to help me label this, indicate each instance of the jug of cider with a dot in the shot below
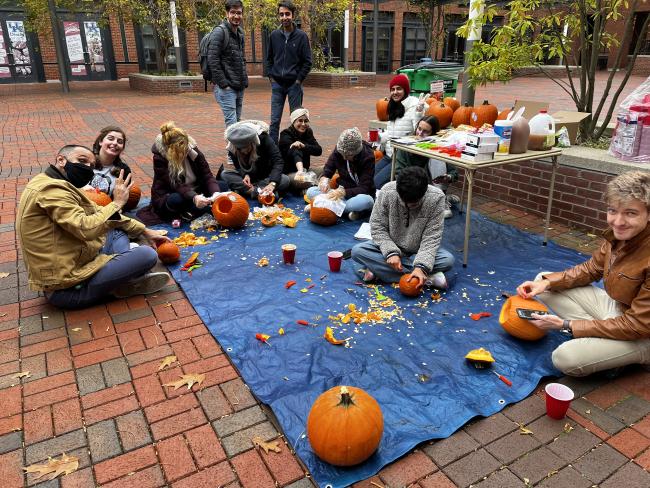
(542, 132)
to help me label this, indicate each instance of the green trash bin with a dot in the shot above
(421, 75)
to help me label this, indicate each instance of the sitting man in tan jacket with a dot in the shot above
(611, 326)
(75, 251)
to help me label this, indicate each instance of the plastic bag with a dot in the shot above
(631, 138)
(562, 138)
(306, 177)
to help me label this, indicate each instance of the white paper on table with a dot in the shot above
(363, 232)
(336, 206)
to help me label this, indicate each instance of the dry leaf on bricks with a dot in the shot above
(4, 275)
(22, 374)
(187, 379)
(167, 361)
(55, 467)
(267, 446)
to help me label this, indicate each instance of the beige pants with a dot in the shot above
(584, 356)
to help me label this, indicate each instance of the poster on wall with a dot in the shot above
(19, 48)
(75, 48)
(95, 48)
(4, 58)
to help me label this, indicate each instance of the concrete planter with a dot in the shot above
(166, 84)
(346, 79)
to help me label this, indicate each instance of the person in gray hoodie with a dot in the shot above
(406, 226)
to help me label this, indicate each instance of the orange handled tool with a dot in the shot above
(503, 378)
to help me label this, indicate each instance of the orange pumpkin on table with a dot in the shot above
(452, 102)
(409, 286)
(442, 112)
(322, 216)
(515, 325)
(231, 210)
(99, 197)
(168, 252)
(461, 115)
(134, 197)
(483, 114)
(503, 115)
(345, 426)
(382, 109)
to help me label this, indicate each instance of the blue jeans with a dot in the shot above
(125, 266)
(279, 94)
(358, 203)
(177, 205)
(382, 171)
(370, 257)
(231, 102)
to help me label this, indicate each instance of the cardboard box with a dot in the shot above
(482, 139)
(532, 107)
(477, 157)
(484, 148)
(570, 120)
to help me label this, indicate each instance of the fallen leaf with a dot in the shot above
(588, 412)
(54, 467)
(187, 379)
(281, 331)
(523, 430)
(267, 446)
(76, 329)
(22, 374)
(264, 261)
(4, 275)
(167, 361)
(567, 428)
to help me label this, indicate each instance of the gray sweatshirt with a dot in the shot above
(398, 230)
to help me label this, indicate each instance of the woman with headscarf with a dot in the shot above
(297, 145)
(354, 161)
(256, 158)
(183, 184)
(404, 112)
(108, 148)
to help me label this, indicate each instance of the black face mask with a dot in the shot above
(78, 174)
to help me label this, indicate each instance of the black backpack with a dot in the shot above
(204, 47)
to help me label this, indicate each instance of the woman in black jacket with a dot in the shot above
(256, 158)
(297, 145)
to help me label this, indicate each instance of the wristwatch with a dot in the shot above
(566, 327)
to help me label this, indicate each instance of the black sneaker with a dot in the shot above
(149, 283)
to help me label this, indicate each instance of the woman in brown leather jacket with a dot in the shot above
(610, 326)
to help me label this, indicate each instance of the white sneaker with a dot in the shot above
(438, 280)
(354, 216)
(149, 283)
(453, 199)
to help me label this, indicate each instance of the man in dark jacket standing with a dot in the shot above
(288, 62)
(228, 64)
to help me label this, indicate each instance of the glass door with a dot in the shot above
(18, 63)
(86, 46)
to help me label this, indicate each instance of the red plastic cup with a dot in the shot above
(558, 399)
(373, 135)
(288, 253)
(335, 258)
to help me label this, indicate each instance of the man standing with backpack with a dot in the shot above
(287, 64)
(224, 64)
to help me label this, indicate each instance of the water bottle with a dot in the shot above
(542, 132)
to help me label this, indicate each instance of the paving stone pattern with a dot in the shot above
(95, 390)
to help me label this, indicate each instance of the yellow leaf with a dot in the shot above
(267, 446)
(76, 329)
(167, 361)
(54, 467)
(523, 430)
(567, 428)
(187, 379)
(281, 331)
(22, 374)
(304, 290)
(308, 280)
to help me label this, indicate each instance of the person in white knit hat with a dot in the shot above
(298, 145)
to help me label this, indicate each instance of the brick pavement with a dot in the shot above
(95, 390)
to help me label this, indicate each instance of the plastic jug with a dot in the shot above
(542, 132)
(519, 137)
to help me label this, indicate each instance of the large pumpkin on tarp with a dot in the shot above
(99, 197)
(409, 287)
(516, 326)
(345, 426)
(382, 109)
(231, 210)
(322, 216)
(461, 115)
(486, 113)
(134, 197)
(168, 252)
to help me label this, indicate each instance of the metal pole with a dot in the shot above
(346, 35)
(475, 13)
(177, 46)
(58, 46)
(375, 36)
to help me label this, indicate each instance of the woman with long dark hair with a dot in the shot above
(108, 148)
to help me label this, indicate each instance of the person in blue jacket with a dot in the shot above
(287, 64)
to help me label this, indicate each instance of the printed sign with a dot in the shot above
(4, 58)
(95, 48)
(19, 48)
(75, 48)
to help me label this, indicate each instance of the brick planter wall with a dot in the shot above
(166, 84)
(322, 79)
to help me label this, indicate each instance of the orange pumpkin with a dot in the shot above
(409, 287)
(334, 182)
(231, 210)
(382, 109)
(322, 216)
(452, 102)
(168, 252)
(461, 115)
(134, 197)
(267, 199)
(516, 326)
(503, 115)
(432, 100)
(345, 426)
(99, 197)
(483, 114)
(378, 155)
(442, 112)
(268, 221)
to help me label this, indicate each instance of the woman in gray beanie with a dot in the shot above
(354, 161)
(257, 160)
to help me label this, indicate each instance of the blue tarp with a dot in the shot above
(413, 365)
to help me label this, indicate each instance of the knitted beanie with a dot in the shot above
(242, 134)
(403, 81)
(350, 142)
(299, 112)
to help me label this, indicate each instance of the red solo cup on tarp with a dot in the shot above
(288, 253)
(373, 135)
(335, 258)
(558, 399)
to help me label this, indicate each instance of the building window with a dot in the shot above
(386, 25)
(149, 49)
(639, 20)
(414, 39)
